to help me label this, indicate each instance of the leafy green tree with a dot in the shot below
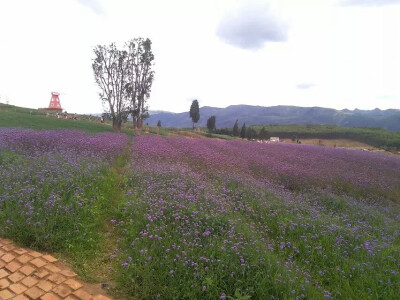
(251, 133)
(159, 123)
(211, 123)
(195, 112)
(243, 131)
(236, 129)
(264, 134)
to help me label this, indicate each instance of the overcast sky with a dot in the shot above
(329, 53)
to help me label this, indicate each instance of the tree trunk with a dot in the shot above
(117, 125)
(134, 124)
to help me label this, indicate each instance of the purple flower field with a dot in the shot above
(37, 143)
(210, 219)
(50, 183)
(293, 166)
(207, 218)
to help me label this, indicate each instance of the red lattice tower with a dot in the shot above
(55, 102)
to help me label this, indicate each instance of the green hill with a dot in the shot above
(14, 116)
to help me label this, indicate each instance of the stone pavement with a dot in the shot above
(30, 275)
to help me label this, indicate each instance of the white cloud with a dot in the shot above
(94, 5)
(305, 86)
(250, 26)
(370, 2)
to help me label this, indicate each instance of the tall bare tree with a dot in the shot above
(111, 71)
(141, 78)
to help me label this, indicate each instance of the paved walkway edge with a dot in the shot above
(29, 275)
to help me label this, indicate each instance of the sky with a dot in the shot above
(328, 53)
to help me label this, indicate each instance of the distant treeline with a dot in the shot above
(376, 137)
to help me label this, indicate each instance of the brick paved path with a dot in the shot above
(27, 274)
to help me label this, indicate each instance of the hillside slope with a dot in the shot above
(13, 116)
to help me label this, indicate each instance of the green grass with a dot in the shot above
(377, 137)
(25, 110)
(217, 136)
(22, 117)
(92, 261)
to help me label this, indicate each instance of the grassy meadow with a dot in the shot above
(174, 217)
(13, 116)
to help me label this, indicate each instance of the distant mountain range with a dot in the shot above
(258, 115)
